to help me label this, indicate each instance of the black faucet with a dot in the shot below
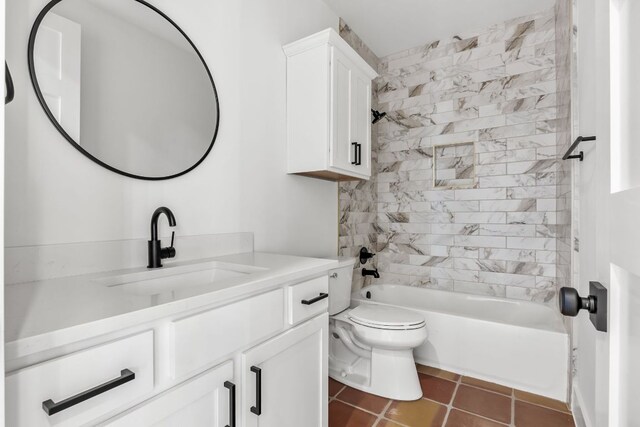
(373, 273)
(365, 255)
(156, 252)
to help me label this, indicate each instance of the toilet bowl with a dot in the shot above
(371, 345)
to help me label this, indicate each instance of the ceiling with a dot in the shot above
(391, 26)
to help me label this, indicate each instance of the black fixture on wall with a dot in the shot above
(8, 82)
(156, 252)
(365, 255)
(373, 273)
(577, 142)
(377, 116)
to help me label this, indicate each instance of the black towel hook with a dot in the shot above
(578, 140)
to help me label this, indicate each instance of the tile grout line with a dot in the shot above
(378, 416)
(513, 407)
(359, 408)
(451, 407)
(485, 389)
(453, 397)
(512, 395)
(384, 411)
(334, 397)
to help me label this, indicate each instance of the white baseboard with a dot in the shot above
(577, 403)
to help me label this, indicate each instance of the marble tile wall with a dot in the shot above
(454, 165)
(564, 71)
(495, 88)
(358, 199)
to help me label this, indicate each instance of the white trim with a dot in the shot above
(580, 417)
(330, 36)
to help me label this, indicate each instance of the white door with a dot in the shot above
(57, 61)
(343, 148)
(624, 203)
(608, 374)
(203, 401)
(293, 379)
(361, 120)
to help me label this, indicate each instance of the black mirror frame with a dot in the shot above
(36, 87)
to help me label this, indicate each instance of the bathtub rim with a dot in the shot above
(560, 329)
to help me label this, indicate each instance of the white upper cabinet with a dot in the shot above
(328, 109)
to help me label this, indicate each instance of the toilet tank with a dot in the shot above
(340, 285)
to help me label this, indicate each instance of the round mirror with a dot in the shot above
(124, 85)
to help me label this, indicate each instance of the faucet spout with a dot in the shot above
(156, 251)
(373, 273)
(156, 216)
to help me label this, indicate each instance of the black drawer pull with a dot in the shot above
(232, 403)
(315, 300)
(258, 408)
(50, 407)
(359, 157)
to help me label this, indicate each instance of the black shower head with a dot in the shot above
(377, 116)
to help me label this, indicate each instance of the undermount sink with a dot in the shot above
(170, 278)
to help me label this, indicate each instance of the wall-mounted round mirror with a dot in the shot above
(124, 85)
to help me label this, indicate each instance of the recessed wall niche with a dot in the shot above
(454, 165)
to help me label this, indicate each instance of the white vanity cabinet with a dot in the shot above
(193, 368)
(284, 380)
(328, 109)
(206, 400)
(39, 395)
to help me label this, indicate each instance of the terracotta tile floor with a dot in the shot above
(449, 400)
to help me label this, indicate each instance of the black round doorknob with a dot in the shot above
(571, 302)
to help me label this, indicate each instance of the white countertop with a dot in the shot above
(49, 313)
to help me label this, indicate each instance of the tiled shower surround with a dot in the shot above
(358, 199)
(497, 235)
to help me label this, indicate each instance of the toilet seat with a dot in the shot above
(385, 317)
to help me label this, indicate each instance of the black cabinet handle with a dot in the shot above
(232, 403)
(359, 154)
(8, 81)
(50, 407)
(258, 408)
(355, 153)
(315, 300)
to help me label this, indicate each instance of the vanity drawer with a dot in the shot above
(308, 299)
(123, 371)
(204, 338)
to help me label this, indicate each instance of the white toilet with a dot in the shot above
(371, 345)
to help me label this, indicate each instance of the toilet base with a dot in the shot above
(389, 373)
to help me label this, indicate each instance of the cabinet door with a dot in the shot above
(293, 376)
(361, 120)
(342, 151)
(202, 401)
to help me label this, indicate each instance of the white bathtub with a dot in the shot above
(519, 344)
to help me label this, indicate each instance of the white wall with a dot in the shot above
(56, 195)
